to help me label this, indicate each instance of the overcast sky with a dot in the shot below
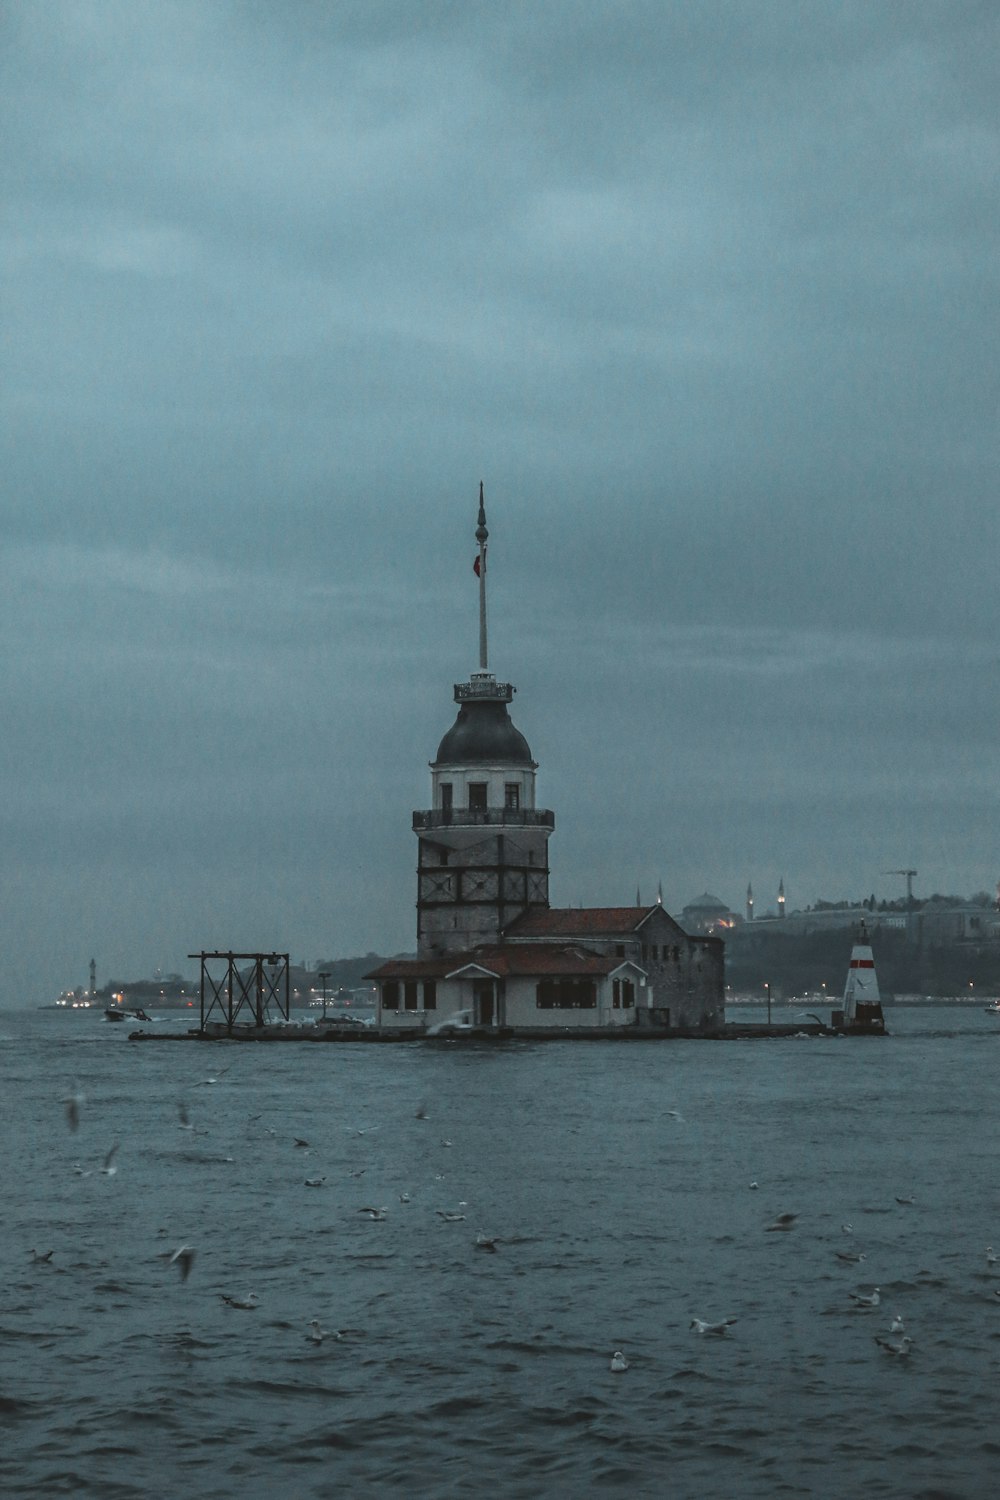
(704, 292)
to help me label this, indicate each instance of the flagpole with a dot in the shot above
(481, 535)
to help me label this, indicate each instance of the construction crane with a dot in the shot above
(910, 875)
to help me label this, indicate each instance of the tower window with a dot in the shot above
(477, 796)
(430, 994)
(446, 791)
(410, 994)
(390, 994)
(512, 795)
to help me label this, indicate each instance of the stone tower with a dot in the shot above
(483, 844)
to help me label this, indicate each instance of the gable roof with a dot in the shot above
(503, 960)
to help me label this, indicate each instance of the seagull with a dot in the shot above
(619, 1364)
(183, 1258)
(905, 1200)
(865, 1299)
(849, 1256)
(299, 1141)
(73, 1102)
(404, 1197)
(718, 1329)
(449, 1218)
(900, 1348)
(896, 1326)
(315, 1181)
(316, 1334)
(753, 1185)
(847, 1228)
(247, 1303)
(675, 1114)
(783, 1221)
(446, 1143)
(39, 1258)
(375, 1214)
(991, 1258)
(421, 1113)
(483, 1242)
(215, 1078)
(109, 1169)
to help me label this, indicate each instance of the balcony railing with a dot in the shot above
(484, 687)
(484, 817)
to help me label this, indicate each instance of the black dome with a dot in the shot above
(483, 732)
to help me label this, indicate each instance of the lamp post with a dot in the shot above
(767, 991)
(324, 976)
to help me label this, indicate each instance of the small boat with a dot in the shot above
(862, 1008)
(993, 1009)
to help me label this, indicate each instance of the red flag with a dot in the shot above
(475, 565)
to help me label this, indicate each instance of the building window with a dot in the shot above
(390, 994)
(446, 793)
(623, 994)
(477, 796)
(654, 952)
(512, 795)
(430, 994)
(566, 994)
(619, 950)
(410, 994)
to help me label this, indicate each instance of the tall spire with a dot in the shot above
(481, 536)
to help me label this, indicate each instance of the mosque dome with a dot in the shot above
(483, 734)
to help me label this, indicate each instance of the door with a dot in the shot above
(484, 1005)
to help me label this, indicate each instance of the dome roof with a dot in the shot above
(483, 733)
(707, 902)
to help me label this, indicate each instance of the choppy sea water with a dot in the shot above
(616, 1180)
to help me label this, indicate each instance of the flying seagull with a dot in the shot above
(183, 1258)
(74, 1101)
(215, 1076)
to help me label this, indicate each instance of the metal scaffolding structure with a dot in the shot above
(251, 983)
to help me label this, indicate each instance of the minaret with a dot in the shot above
(483, 845)
(781, 897)
(749, 902)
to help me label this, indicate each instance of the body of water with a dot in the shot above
(616, 1181)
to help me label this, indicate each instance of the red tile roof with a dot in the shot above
(576, 921)
(504, 960)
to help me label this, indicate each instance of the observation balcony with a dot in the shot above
(484, 685)
(484, 817)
